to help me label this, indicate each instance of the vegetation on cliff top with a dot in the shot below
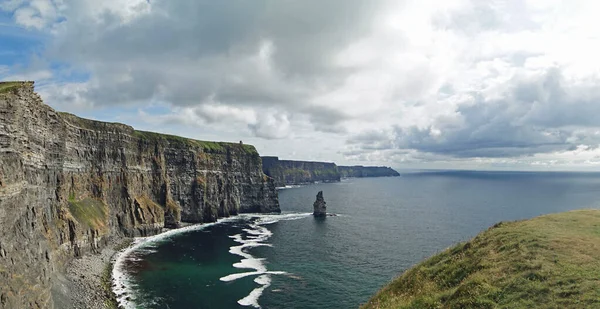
(551, 261)
(6, 87)
(207, 146)
(92, 124)
(211, 147)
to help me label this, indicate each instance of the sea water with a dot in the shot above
(292, 260)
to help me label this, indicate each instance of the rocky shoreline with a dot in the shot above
(86, 281)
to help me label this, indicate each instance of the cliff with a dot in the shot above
(68, 184)
(551, 261)
(367, 171)
(287, 172)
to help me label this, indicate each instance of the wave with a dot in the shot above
(123, 285)
(289, 187)
(264, 219)
(257, 234)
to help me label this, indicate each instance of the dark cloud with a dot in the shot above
(266, 53)
(538, 114)
(403, 81)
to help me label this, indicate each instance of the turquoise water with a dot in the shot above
(385, 225)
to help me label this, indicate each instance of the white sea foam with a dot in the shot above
(289, 187)
(123, 286)
(257, 234)
(252, 298)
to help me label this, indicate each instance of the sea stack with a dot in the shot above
(319, 206)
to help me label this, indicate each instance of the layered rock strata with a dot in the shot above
(290, 172)
(68, 184)
(360, 171)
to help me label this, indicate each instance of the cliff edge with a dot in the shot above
(289, 172)
(68, 184)
(292, 172)
(360, 171)
(552, 261)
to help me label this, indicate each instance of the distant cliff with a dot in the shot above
(366, 171)
(288, 172)
(68, 184)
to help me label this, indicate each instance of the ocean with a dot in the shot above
(383, 226)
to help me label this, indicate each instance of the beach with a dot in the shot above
(86, 282)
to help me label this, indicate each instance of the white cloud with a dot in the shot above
(38, 14)
(487, 82)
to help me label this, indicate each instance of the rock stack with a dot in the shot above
(320, 209)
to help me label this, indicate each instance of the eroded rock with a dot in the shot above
(320, 208)
(68, 184)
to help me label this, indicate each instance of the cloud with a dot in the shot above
(271, 126)
(535, 114)
(484, 82)
(36, 14)
(264, 53)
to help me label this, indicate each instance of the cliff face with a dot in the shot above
(287, 172)
(366, 171)
(67, 184)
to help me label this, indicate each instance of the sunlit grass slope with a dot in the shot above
(552, 261)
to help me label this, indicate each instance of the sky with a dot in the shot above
(462, 84)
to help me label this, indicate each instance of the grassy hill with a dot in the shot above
(552, 261)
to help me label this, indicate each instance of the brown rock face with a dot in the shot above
(320, 208)
(68, 184)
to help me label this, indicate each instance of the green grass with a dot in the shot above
(6, 87)
(89, 212)
(207, 146)
(153, 137)
(91, 124)
(147, 204)
(551, 261)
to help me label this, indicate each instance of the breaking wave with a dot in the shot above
(256, 236)
(124, 286)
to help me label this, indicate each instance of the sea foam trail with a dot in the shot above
(257, 234)
(123, 286)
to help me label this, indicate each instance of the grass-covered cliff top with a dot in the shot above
(8, 87)
(551, 261)
(212, 147)
(93, 124)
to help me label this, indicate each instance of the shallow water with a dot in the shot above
(384, 226)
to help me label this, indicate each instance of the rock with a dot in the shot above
(320, 209)
(289, 172)
(69, 184)
(360, 171)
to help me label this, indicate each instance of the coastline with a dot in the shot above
(86, 281)
(119, 287)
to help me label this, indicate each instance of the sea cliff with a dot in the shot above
(68, 184)
(292, 172)
(360, 171)
(288, 172)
